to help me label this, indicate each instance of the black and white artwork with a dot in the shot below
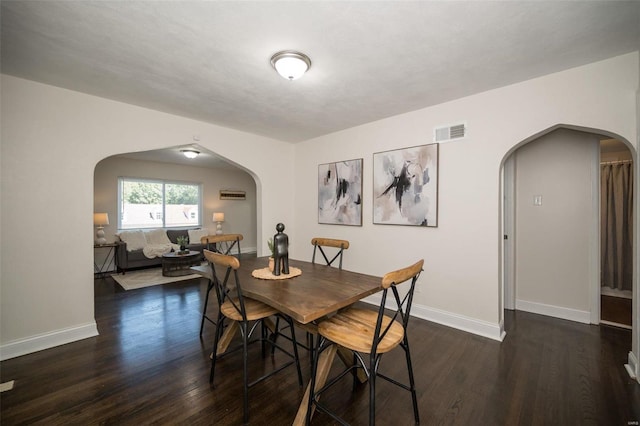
(405, 186)
(340, 193)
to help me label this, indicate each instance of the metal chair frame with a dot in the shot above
(318, 244)
(223, 293)
(212, 242)
(402, 311)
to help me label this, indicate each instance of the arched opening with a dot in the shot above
(213, 177)
(527, 210)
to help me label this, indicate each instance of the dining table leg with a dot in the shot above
(324, 365)
(227, 336)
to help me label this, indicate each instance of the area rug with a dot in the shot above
(147, 278)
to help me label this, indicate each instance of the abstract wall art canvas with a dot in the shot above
(405, 186)
(340, 193)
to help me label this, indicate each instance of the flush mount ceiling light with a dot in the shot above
(291, 64)
(190, 153)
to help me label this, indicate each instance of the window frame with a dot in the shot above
(164, 183)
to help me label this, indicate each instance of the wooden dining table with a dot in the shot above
(318, 291)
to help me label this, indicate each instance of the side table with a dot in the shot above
(109, 262)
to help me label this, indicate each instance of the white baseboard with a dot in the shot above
(449, 319)
(632, 367)
(47, 340)
(248, 250)
(554, 311)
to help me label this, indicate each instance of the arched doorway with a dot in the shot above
(547, 299)
(210, 171)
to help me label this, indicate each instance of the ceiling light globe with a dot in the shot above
(291, 65)
(190, 153)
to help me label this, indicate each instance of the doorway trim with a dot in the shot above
(507, 210)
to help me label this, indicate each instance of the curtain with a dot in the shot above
(616, 209)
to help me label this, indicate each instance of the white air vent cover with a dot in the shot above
(449, 133)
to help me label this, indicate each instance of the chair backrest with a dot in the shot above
(222, 243)
(221, 277)
(319, 243)
(403, 305)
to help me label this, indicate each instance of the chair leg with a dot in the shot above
(412, 385)
(214, 354)
(274, 335)
(263, 338)
(295, 349)
(372, 389)
(204, 309)
(245, 372)
(312, 385)
(354, 373)
(310, 346)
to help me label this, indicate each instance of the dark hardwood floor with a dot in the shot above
(616, 310)
(149, 366)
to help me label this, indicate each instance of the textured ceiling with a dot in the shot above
(371, 60)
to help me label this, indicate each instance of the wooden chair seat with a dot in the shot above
(254, 310)
(367, 332)
(354, 328)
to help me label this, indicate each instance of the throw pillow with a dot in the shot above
(196, 234)
(157, 236)
(135, 239)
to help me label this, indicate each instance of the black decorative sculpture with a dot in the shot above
(280, 251)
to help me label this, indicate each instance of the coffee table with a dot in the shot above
(177, 265)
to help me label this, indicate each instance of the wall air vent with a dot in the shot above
(228, 194)
(450, 133)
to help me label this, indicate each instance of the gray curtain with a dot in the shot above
(616, 193)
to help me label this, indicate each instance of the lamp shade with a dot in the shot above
(218, 217)
(100, 219)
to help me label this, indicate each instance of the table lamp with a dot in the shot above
(100, 220)
(218, 218)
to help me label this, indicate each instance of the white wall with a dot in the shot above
(552, 244)
(240, 215)
(52, 139)
(461, 283)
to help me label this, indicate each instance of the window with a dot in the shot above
(158, 204)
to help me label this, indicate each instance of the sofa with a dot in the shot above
(132, 246)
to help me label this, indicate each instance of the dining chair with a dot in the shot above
(215, 243)
(319, 243)
(222, 243)
(248, 314)
(364, 331)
